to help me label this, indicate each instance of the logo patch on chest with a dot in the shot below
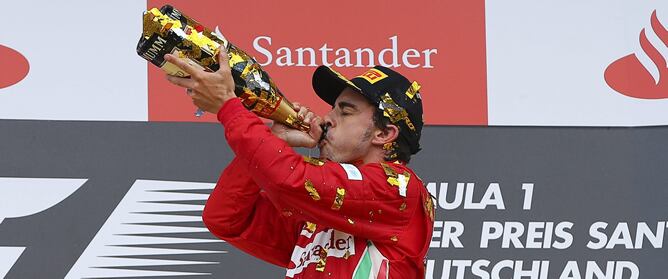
(328, 243)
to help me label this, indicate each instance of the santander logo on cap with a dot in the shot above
(643, 75)
(16, 64)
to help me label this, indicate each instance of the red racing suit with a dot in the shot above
(317, 219)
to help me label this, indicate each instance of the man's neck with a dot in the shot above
(375, 155)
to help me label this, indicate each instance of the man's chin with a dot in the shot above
(325, 154)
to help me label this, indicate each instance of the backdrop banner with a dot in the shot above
(104, 169)
(524, 63)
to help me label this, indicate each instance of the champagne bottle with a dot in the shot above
(168, 30)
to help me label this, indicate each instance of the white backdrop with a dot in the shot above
(545, 61)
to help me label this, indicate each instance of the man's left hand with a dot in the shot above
(297, 138)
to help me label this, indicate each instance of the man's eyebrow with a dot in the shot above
(344, 104)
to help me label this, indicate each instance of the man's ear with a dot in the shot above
(389, 134)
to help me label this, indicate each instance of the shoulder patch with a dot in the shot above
(352, 171)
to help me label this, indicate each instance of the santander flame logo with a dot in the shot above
(631, 77)
(16, 64)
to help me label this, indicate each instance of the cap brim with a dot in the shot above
(329, 84)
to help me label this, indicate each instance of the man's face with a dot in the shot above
(349, 136)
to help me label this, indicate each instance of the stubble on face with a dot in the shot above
(355, 153)
(362, 144)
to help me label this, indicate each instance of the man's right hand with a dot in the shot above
(297, 138)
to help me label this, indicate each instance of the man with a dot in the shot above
(357, 212)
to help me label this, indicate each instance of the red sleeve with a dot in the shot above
(369, 206)
(240, 214)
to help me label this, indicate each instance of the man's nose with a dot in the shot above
(328, 120)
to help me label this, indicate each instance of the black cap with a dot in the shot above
(392, 93)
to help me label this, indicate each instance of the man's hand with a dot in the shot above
(209, 90)
(297, 138)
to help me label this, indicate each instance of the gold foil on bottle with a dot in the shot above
(338, 200)
(311, 190)
(151, 23)
(167, 30)
(193, 44)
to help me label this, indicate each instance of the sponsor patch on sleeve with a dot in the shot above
(352, 171)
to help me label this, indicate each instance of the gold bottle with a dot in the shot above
(167, 30)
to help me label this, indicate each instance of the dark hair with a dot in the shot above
(402, 149)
